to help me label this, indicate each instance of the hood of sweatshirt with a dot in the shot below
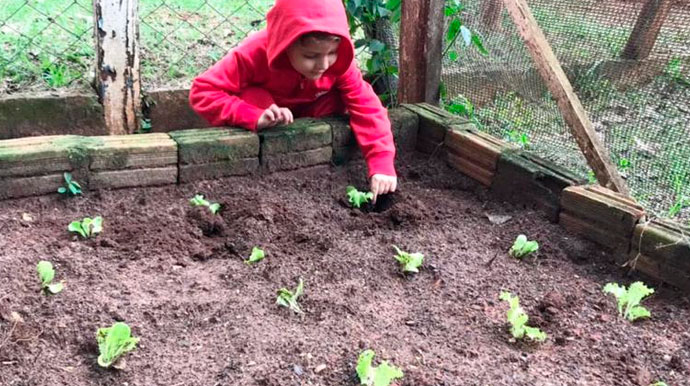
(289, 19)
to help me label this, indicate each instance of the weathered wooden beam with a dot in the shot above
(492, 10)
(117, 63)
(647, 27)
(568, 102)
(421, 45)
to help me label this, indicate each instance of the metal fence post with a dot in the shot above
(117, 63)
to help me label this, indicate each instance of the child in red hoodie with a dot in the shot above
(301, 65)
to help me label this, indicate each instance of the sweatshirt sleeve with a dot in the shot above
(214, 94)
(369, 121)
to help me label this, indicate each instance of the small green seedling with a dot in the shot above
(199, 200)
(659, 383)
(256, 256)
(71, 187)
(629, 299)
(87, 227)
(369, 375)
(521, 247)
(518, 320)
(357, 198)
(46, 273)
(113, 342)
(287, 298)
(409, 262)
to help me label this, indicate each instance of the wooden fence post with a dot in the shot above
(568, 103)
(492, 10)
(117, 63)
(646, 30)
(421, 44)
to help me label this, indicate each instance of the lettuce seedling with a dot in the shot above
(369, 375)
(629, 299)
(287, 298)
(113, 342)
(409, 262)
(256, 256)
(518, 320)
(71, 186)
(357, 198)
(199, 200)
(46, 273)
(87, 227)
(521, 247)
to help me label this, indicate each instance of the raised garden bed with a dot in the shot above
(176, 275)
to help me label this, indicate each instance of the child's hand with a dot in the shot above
(382, 184)
(273, 116)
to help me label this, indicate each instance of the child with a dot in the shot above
(301, 65)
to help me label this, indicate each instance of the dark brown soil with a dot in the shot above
(206, 318)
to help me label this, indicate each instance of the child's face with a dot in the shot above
(312, 57)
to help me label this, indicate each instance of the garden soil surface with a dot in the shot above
(176, 275)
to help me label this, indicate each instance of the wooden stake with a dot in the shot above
(562, 91)
(647, 27)
(117, 63)
(421, 44)
(492, 10)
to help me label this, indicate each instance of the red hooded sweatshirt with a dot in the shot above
(261, 61)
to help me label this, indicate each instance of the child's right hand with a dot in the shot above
(273, 116)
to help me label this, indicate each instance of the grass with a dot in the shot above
(38, 53)
(48, 44)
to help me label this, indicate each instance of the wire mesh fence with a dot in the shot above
(46, 44)
(49, 45)
(640, 108)
(182, 38)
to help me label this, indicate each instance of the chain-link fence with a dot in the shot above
(182, 38)
(46, 44)
(639, 108)
(49, 44)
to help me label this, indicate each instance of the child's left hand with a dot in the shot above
(382, 184)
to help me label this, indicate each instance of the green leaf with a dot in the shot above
(386, 373)
(357, 198)
(113, 342)
(214, 208)
(75, 226)
(466, 35)
(477, 40)
(453, 29)
(369, 375)
(55, 287)
(376, 45)
(453, 55)
(409, 262)
(517, 318)
(199, 200)
(535, 334)
(628, 300)
(256, 256)
(364, 365)
(521, 247)
(96, 225)
(71, 186)
(287, 298)
(360, 43)
(45, 272)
